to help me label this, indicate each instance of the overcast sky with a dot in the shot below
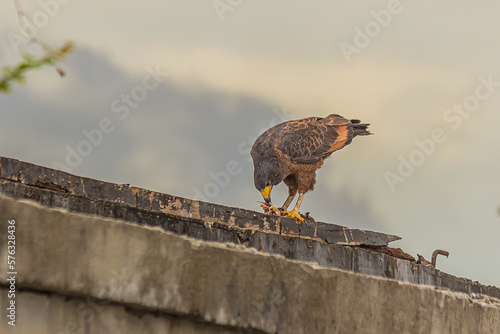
(180, 89)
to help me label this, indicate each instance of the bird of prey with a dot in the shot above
(292, 152)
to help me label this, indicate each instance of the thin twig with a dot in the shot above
(27, 27)
(24, 24)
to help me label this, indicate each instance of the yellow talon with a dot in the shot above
(293, 214)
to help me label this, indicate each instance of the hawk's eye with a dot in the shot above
(268, 183)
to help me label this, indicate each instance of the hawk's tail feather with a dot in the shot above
(359, 128)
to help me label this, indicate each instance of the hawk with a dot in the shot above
(292, 152)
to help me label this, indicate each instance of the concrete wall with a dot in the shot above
(88, 274)
(326, 244)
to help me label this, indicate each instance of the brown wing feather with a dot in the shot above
(311, 139)
(343, 137)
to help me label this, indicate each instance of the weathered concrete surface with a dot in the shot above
(124, 196)
(57, 314)
(165, 275)
(322, 243)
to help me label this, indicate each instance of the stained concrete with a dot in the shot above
(87, 195)
(164, 276)
(60, 314)
(328, 245)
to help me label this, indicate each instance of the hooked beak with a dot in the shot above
(266, 193)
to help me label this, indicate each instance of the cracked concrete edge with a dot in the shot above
(225, 284)
(123, 194)
(303, 249)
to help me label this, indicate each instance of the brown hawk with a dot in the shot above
(292, 152)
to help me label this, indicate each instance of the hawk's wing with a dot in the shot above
(310, 139)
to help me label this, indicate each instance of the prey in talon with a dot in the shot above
(269, 210)
(292, 152)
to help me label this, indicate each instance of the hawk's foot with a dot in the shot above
(293, 214)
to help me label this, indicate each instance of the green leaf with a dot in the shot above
(29, 62)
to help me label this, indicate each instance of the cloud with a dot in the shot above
(226, 78)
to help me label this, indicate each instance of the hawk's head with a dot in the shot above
(266, 175)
